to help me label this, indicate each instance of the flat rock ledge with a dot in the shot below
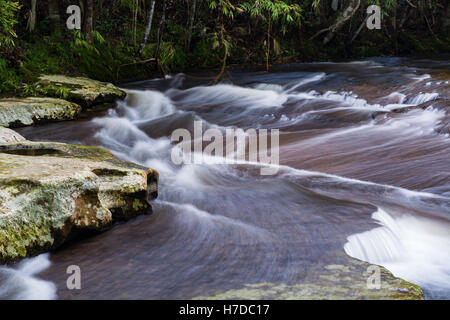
(346, 281)
(19, 112)
(86, 92)
(50, 192)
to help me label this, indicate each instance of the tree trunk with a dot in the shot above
(225, 55)
(136, 7)
(335, 5)
(149, 27)
(32, 23)
(406, 15)
(160, 31)
(53, 14)
(89, 20)
(269, 27)
(395, 25)
(342, 19)
(191, 23)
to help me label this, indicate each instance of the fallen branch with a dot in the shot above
(408, 2)
(359, 29)
(333, 29)
(131, 64)
(346, 15)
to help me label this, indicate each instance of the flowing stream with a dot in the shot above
(364, 169)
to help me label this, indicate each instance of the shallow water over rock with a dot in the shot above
(364, 171)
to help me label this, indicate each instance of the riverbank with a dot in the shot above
(119, 62)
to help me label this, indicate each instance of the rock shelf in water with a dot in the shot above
(52, 191)
(19, 112)
(81, 94)
(83, 91)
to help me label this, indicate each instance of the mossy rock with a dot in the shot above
(83, 91)
(52, 191)
(19, 112)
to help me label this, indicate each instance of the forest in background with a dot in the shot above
(125, 40)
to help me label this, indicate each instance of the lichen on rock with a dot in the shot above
(51, 191)
(17, 112)
(84, 91)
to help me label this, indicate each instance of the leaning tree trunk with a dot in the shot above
(269, 27)
(32, 21)
(361, 26)
(53, 14)
(343, 17)
(149, 27)
(89, 20)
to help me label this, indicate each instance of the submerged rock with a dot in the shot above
(17, 112)
(51, 191)
(349, 281)
(85, 92)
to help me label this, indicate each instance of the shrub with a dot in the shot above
(9, 80)
(8, 10)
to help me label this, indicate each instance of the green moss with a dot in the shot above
(86, 92)
(49, 190)
(138, 205)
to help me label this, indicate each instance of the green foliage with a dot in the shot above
(8, 11)
(50, 55)
(168, 56)
(225, 31)
(96, 58)
(385, 5)
(277, 10)
(225, 7)
(9, 80)
(29, 90)
(37, 89)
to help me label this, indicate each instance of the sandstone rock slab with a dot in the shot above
(18, 112)
(84, 91)
(52, 191)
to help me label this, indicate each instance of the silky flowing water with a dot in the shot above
(364, 170)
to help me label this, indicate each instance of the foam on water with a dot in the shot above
(233, 96)
(146, 105)
(411, 247)
(190, 214)
(311, 79)
(423, 97)
(21, 283)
